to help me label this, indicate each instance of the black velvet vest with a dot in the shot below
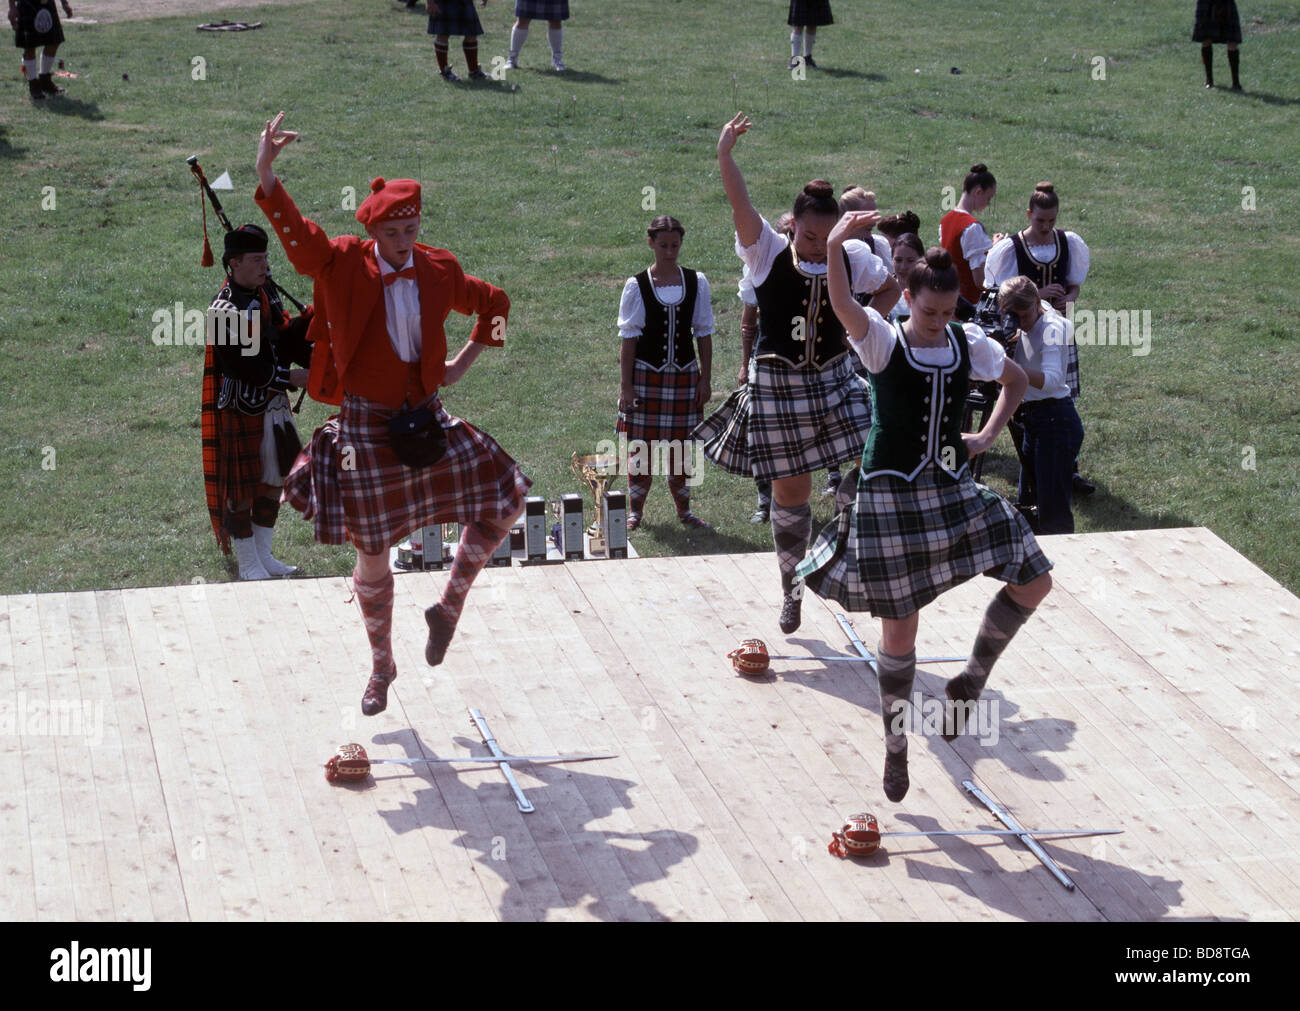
(668, 337)
(795, 320)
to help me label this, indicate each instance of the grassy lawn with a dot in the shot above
(541, 184)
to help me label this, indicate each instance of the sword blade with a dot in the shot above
(1024, 836)
(491, 759)
(521, 802)
(1010, 831)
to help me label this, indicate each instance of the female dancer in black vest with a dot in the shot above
(803, 408)
(664, 312)
(920, 525)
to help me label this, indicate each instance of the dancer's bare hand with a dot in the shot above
(732, 131)
(852, 223)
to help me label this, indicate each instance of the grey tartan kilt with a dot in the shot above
(1216, 21)
(788, 421)
(900, 544)
(455, 17)
(542, 10)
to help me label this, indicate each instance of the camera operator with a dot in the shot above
(1052, 430)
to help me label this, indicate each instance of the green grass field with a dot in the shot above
(541, 184)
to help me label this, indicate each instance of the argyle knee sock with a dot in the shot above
(477, 542)
(1002, 620)
(638, 487)
(895, 675)
(680, 492)
(791, 528)
(376, 603)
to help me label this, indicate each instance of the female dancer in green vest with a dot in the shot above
(920, 524)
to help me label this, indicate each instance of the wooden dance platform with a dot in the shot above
(163, 750)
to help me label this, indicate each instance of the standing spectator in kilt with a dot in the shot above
(665, 310)
(250, 441)
(1057, 262)
(381, 354)
(554, 13)
(963, 236)
(456, 17)
(919, 524)
(805, 17)
(802, 408)
(1218, 21)
(36, 23)
(1048, 426)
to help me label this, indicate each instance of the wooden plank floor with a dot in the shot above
(164, 749)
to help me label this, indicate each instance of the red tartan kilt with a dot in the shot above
(241, 455)
(666, 405)
(354, 489)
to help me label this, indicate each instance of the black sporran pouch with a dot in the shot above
(417, 437)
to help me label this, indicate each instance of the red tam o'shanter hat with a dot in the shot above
(388, 200)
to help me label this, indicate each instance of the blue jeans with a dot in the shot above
(1053, 435)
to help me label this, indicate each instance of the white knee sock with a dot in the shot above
(796, 42)
(518, 36)
(47, 63)
(556, 37)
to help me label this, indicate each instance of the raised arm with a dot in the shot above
(749, 225)
(854, 317)
(269, 145)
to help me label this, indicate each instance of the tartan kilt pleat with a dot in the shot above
(455, 17)
(542, 10)
(666, 408)
(899, 545)
(353, 488)
(240, 463)
(787, 421)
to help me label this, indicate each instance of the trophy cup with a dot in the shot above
(597, 471)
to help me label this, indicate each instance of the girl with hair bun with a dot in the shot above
(664, 312)
(1057, 262)
(919, 524)
(963, 236)
(802, 408)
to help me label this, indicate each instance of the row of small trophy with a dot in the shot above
(432, 547)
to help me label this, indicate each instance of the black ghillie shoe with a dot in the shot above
(957, 704)
(440, 632)
(895, 780)
(791, 614)
(375, 700)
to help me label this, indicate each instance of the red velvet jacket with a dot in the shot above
(348, 290)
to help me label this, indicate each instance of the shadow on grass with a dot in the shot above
(7, 150)
(73, 107)
(1268, 99)
(581, 77)
(840, 72)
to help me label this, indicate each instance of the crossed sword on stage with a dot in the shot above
(1014, 828)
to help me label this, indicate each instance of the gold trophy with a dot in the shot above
(597, 471)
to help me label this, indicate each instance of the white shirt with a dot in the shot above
(402, 310)
(975, 243)
(1044, 348)
(631, 309)
(875, 347)
(868, 272)
(1001, 263)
